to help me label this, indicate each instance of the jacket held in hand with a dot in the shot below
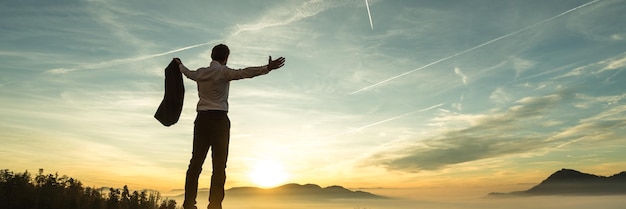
(169, 111)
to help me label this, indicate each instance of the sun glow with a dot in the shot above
(266, 174)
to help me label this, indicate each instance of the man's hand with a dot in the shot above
(178, 60)
(275, 64)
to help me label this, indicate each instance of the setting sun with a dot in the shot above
(267, 174)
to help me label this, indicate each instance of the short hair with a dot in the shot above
(220, 52)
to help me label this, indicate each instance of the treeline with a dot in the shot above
(22, 191)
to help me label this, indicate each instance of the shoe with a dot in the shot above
(189, 207)
(214, 206)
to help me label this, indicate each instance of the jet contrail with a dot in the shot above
(369, 14)
(115, 62)
(387, 120)
(174, 51)
(476, 47)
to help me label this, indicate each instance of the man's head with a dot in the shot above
(220, 53)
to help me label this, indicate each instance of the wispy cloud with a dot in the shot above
(506, 133)
(474, 48)
(520, 65)
(115, 62)
(112, 16)
(493, 135)
(608, 64)
(110, 19)
(614, 64)
(305, 10)
(458, 72)
(386, 120)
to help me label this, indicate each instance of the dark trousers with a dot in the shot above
(211, 130)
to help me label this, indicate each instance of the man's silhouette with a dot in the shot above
(212, 126)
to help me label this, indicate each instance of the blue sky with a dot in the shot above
(436, 93)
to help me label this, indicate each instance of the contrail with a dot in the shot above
(174, 51)
(387, 120)
(115, 62)
(476, 47)
(369, 14)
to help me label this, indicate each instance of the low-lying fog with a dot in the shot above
(433, 198)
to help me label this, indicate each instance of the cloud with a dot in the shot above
(499, 96)
(459, 105)
(113, 17)
(611, 63)
(489, 42)
(458, 72)
(521, 129)
(115, 62)
(488, 136)
(305, 10)
(520, 65)
(615, 111)
(589, 101)
(387, 120)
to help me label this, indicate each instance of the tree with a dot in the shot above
(125, 200)
(168, 204)
(114, 199)
(20, 190)
(16, 190)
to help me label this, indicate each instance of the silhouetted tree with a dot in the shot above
(134, 199)
(125, 198)
(168, 204)
(16, 190)
(21, 191)
(92, 198)
(113, 201)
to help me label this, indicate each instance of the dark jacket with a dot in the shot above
(172, 104)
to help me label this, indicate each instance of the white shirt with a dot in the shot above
(214, 81)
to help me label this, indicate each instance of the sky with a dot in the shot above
(374, 94)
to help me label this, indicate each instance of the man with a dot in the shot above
(212, 126)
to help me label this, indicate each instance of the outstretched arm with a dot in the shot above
(250, 72)
(193, 75)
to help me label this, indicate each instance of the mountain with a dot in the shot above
(572, 182)
(297, 191)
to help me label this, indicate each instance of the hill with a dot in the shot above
(572, 182)
(296, 191)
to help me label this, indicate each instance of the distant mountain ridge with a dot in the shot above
(573, 182)
(298, 191)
